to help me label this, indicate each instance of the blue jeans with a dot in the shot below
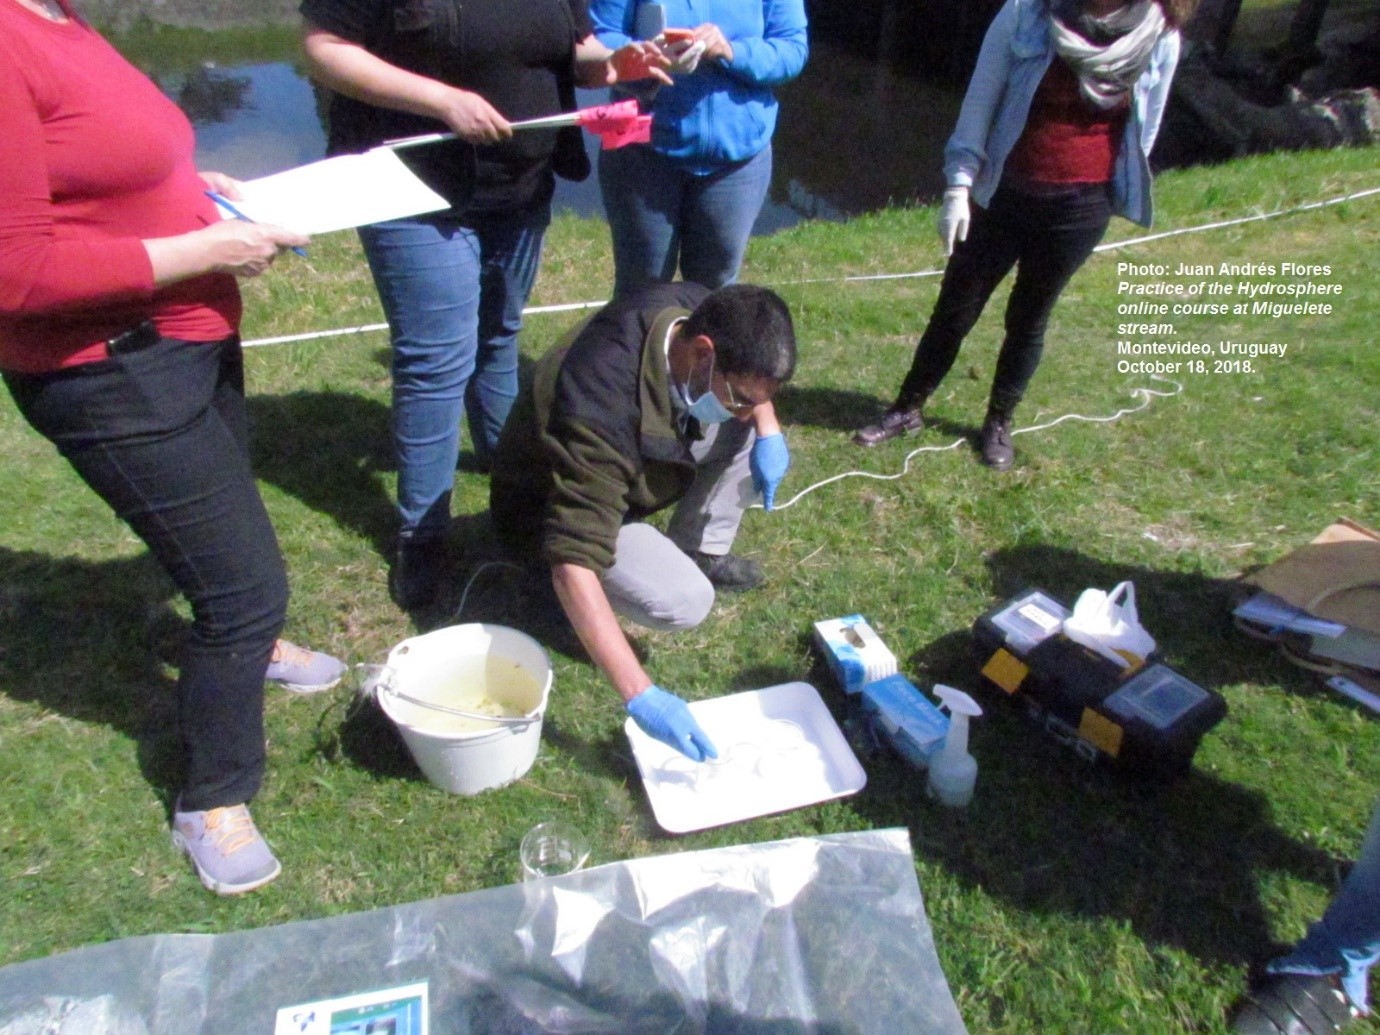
(160, 434)
(1346, 940)
(661, 215)
(1047, 239)
(453, 295)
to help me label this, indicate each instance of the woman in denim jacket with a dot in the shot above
(1053, 139)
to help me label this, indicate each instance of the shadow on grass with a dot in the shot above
(370, 740)
(1180, 863)
(832, 408)
(329, 450)
(839, 410)
(83, 639)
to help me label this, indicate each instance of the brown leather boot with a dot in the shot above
(894, 422)
(994, 441)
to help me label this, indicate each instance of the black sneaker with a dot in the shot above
(729, 572)
(894, 422)
(994, 442)
(415, 580)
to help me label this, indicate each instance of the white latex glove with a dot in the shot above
(685, 56)
(954, 216)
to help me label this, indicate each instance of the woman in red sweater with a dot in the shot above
(118, 318)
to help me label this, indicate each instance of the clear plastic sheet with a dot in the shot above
(823, 935)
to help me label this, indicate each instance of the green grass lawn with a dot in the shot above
(1063, 900)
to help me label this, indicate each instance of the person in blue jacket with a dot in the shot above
(1052, 140)
(690, 197)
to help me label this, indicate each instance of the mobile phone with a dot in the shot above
(677, 35)
(650, 21)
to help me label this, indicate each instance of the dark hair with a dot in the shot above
(751, 330)
(1177, 12)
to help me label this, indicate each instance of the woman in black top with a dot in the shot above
(453, 284)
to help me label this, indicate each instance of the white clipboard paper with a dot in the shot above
(338, 194)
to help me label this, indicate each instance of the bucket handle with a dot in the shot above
(384, 684)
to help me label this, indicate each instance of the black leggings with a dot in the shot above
(1047, 238)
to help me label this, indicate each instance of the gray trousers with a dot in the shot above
(653, 582)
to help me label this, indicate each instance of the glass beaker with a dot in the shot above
(552, 849)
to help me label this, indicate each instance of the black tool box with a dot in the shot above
(1147, 721)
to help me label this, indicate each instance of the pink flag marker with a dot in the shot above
(616, 125)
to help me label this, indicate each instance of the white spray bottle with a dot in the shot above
(953, 771)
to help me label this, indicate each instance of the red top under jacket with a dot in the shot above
(1066, 139)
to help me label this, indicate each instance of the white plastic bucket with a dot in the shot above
(468, 668)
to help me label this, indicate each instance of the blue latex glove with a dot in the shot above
(769, 461)
(666, 717)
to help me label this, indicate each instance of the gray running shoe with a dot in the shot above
(230, 855)
(303, 671)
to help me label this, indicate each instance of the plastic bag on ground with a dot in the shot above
(824, 935)
(1107, 623)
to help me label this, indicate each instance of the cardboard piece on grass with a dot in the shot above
(1336, 580)
(1344, 530)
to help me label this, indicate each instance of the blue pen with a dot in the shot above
(225, 203)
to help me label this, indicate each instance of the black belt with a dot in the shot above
(140, 336)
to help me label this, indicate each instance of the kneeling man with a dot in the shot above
(663, 397)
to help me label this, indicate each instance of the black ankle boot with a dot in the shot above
(729, 572)
(900, 419)
(994, 441)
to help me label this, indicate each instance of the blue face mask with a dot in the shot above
(707, 409)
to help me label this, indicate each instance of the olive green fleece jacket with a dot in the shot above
(593, 439)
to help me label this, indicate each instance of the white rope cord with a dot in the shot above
(284, 339)
(566, 307)
(310, 335)
(1309, 207)
(1144, 394)
(455, 615)
(1113, 245)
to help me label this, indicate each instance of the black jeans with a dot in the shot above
(1047, 238)
(161, 435)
